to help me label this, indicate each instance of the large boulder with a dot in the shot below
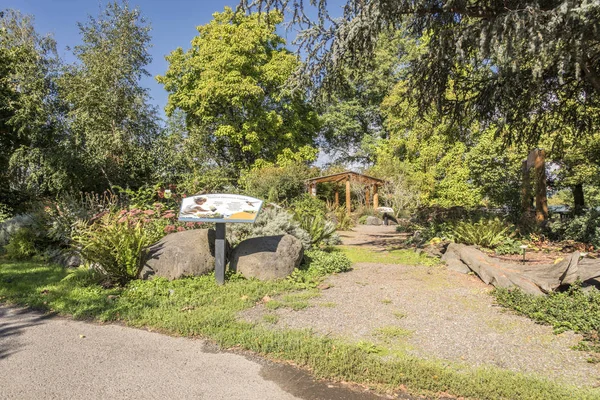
(373, 221)
(267, 257)
(187, 253)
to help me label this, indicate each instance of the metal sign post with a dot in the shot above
(220, 209)
(220, 253)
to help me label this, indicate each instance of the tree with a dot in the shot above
(230, 85)
(352, 119)
(109, 116)
(33, 144)
(524, 53)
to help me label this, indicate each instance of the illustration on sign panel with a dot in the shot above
(219, 208)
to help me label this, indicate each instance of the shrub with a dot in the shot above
(271, 221)
(115, 245)
(319, 263)
(13, 225)
(308, 205)
(582, 228)
(60, 218)
(485, 233)
(344, 221)
(274, 183)
(5, 212)
(321, 231)
(21, 245)
(144, 197)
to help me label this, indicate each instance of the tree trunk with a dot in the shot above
(578, 198)
(541, 200)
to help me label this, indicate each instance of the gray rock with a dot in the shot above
(187, 253)
(267, 257)
(373, 221)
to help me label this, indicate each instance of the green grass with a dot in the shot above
(402, 256)
(270, 318)
(399, 314)
(391, 332)
(199, 307)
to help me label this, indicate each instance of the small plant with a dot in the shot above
(485, 233)
(325, 263)
(344, 221)
(115, 245)
(509, 246)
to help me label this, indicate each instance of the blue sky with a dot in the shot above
(173, 25)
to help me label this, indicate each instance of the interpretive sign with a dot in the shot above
(385, 210)
(219, 208)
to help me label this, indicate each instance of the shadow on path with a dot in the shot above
(13, 322)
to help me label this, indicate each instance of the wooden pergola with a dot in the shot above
(349, 176)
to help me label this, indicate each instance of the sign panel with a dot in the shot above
(385, 210)
(220, 208)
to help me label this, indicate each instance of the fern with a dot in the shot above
(485, 233)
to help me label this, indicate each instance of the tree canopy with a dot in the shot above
(110, 119)
(520, 64)
(230, 84)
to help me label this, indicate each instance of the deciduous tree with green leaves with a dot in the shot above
(109, 115)
(34, 148)
(230, 84)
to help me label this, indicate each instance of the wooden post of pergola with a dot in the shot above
(348, 201)
(375, 197)
(348, 177)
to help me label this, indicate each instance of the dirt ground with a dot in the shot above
(433, 313)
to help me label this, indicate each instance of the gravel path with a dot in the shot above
(435, 313)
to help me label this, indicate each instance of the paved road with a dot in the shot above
(57, 358)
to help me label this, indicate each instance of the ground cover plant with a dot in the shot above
(574, 310)
(199, 307)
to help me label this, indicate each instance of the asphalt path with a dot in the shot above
(45, 357)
